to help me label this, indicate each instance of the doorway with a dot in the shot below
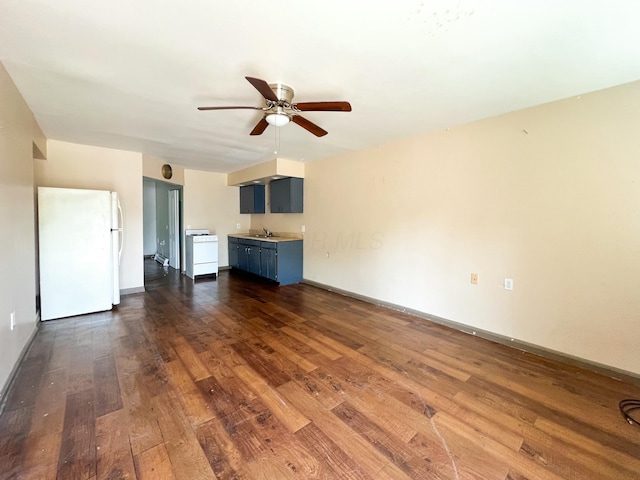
(162, 221)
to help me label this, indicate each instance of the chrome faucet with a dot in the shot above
(267, 233)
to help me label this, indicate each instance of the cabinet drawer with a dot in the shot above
(269, 245)
(249, 243)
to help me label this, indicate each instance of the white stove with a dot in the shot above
(201, 253)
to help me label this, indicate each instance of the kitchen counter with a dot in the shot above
(277, 238)
(278, 258)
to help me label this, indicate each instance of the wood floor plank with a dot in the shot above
(41, 457)
(77, 458)
(265, 443)
(333, 461)
(224, 398)
(392, 447)
(365, 454)
(14, 428)
(522, 462)
(239, 379)
(373, 402)
(602, 417)
(107, 388)
(191, 361)
(288, 353)
(314, 344)
(154, 464)
(100, 338)
(221, 366)
(261, 364)
(187, 460)
(50, 402)
(450, 458)
(324, 388)
(223, 454)
(192, 399)
(114, 458)
(588, 445)
(290, 416)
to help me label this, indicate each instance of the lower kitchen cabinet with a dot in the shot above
(277, 261)
(289, 262)
(233, 252)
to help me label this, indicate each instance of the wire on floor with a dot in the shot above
(630, 405)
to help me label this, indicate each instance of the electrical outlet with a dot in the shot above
(13, 319)
(474, 278)
(508, 284)
(238, 226)
(302, 228)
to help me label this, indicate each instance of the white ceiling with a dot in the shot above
(129, 74)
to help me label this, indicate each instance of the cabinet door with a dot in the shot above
(249, 256)
(286, 195)
(268, 255)
(254, 259)
(252, 199)
(289, 262)
(279, 195)
(243, 257)
(233, 253)
(246, 199)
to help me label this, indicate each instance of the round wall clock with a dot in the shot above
(167, 172)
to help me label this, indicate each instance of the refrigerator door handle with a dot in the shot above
(121, 229)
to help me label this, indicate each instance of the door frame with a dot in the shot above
(174, 228)
(162, 199)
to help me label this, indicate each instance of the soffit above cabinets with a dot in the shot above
(265, 172)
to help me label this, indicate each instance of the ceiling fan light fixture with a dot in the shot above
(277, 119)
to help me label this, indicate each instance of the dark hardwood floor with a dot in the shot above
(235, 378)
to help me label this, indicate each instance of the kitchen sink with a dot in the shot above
(261, 236)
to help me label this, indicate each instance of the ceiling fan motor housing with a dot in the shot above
(283, 92)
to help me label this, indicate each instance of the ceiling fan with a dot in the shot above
(279, 110)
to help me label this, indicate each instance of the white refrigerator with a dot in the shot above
(80, 240)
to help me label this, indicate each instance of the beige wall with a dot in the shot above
(549, 197)
(279, 222)
(152, 168)
(70, 165)
(209, 203)
(17, 281)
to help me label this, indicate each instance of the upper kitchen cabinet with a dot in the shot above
(286, 195)
(252, 199)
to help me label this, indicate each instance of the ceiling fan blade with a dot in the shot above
(229, 108)
(263, 87)
(323, 106)
(260, 127)
(309, 126)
